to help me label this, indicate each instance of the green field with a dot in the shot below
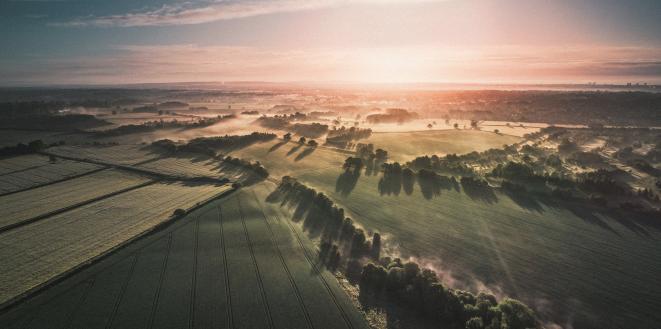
(233, 263)
(405, 146)
(23, 206)
(569, 262)
(36, 253)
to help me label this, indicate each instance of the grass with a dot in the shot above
(406, 146)
(235, 262)
(571, 263)
(22, 206)
(38, 252)
(26, 171)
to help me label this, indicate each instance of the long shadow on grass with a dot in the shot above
(347, 181)
(294, 149)
(277, 146)
(305, 153)
(483, 193)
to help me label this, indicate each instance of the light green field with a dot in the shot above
(22, 206)
(405, 146)
(568, 262)
(38, 252)
(26, 171)
(236, 262)
(116, 154)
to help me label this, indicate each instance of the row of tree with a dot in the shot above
(20, 148)
(419, 290)
(148, 126)
(321, 217)
(256, 167)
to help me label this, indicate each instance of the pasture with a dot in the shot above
(569, 262)
(36, 253)
(235, 262)
(405, 146)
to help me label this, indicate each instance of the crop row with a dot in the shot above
(22, 206)
(35, 253)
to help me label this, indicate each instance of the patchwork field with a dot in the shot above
(405, 146)
(36, 253)
(26, 171)
(571, 263)
(24, 206)
(236, 262)
(117, 154)
(186, 166)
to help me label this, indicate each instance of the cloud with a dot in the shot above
(187, 13)
(177, 63)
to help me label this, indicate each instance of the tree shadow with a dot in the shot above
(294, 149)
(277, 146)
(524, 200)
(479, 192)
(347, 181)
(432, 186)
(390, 184)
(305, 153)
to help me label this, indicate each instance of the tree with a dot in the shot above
(312, 143)
(287, 137)
(429, 126)
(376, 246)
(516, 315)
(301, 140)
(496, 131)
(456, 125)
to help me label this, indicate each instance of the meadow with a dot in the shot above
(41, 251)
(572, 263)
(235, 262)
(405, 146)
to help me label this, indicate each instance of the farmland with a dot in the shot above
(404, 146)
(26, 205)
(35, 253)
(512, 246)
(117, 154)
(235, 262)
(26, 171)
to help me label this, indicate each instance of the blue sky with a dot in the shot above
(120, 41)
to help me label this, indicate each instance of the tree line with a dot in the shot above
(209, 145)
(346, 247)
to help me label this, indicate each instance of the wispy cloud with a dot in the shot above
(187, 13)
(172, 63)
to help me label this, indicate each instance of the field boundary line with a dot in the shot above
(230, 317)
(83, 298)
(306, 313)
(15, 301)
(125, 285)
(307, 255)
(161, 278)
(73, 206)
(254, 261)
(104, 167)
(191, 315)
(22, 170)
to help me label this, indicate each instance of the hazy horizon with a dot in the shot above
(75, 42)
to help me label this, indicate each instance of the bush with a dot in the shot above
(179, 212)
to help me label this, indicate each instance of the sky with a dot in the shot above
(61, 42)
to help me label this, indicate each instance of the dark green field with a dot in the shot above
(235, 262)
(569, 262)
